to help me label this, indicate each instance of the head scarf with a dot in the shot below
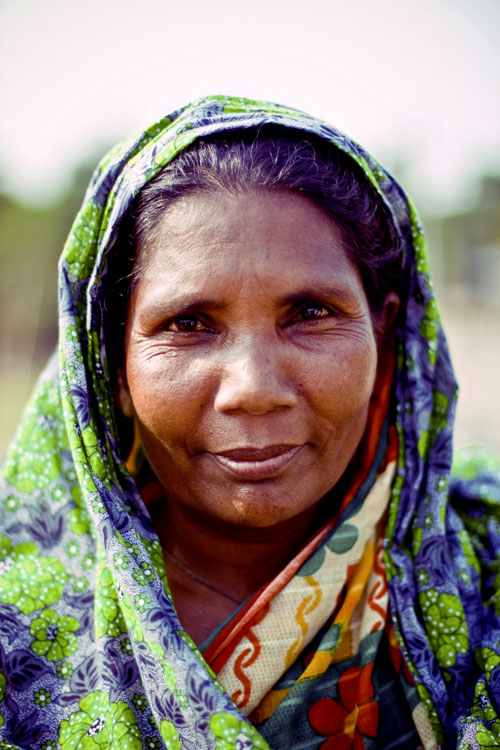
(92, 653)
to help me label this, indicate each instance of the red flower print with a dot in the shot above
(355, 715)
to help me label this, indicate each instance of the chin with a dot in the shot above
(259, 510)
(256, 520)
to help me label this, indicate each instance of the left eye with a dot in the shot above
(312, 312)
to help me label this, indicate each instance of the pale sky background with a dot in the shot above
(419, 80)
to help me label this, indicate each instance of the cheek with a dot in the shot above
(169, 394)
(342, 383)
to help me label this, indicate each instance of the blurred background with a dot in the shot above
(417, 83)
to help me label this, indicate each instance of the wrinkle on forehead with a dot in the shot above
(202, 242)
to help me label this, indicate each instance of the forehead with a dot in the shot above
(213, 235)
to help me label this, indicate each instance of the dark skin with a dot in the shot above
(232, 563)
(250, 360)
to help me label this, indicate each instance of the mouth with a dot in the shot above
(257, 463)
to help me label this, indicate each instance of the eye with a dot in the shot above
(185, 324)
(311, 312)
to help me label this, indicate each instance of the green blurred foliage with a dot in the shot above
(31, 240)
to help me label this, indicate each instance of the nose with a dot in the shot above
(254, 379)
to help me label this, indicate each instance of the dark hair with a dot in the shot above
(247, 161)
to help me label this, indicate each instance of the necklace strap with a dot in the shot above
(192, 574)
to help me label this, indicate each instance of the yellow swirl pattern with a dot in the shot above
(306, 607)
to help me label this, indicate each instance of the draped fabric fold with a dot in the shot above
(395, 604)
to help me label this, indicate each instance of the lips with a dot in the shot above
(257, 463)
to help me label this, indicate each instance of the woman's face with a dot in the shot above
(250, 356)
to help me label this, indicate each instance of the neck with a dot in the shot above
(239, 559)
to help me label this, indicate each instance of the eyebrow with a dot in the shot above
(318, 291)
(179, 307)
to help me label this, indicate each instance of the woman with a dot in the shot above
(250, 347)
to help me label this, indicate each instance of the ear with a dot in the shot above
(123, 395)
(386, 318)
